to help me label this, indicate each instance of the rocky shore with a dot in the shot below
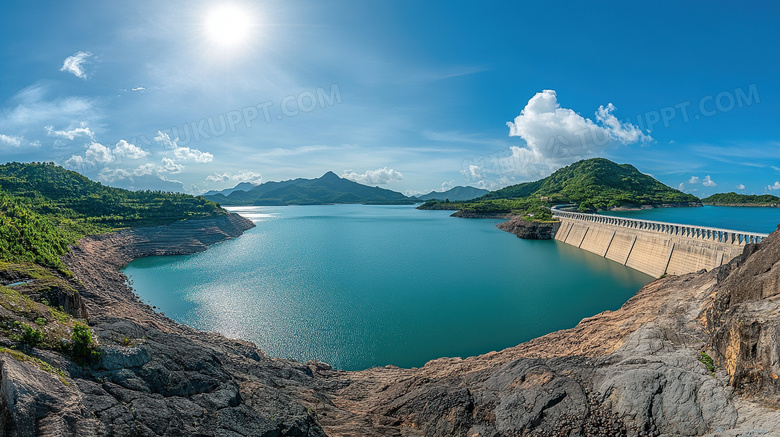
(530, 230)
(634, 371)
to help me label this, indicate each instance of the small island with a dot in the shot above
(735, 199)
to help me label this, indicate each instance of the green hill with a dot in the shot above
(596, 183)
(455, 193)
(44, 208)
(327, 189)
(733, 198)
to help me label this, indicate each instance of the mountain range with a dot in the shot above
(327, 189)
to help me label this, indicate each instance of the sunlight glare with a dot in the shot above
(228, 25)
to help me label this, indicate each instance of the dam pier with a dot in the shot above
(651, 247)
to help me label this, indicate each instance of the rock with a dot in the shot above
(530, 230)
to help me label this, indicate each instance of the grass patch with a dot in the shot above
(708, 362)
(43, 365)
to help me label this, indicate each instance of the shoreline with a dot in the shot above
(574, 379)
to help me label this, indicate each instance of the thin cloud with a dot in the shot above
(242, 176)
(73, 64)
(82, 130)
(16, 142)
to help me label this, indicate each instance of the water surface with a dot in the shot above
(360, 286)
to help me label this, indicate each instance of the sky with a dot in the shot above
(407, 95)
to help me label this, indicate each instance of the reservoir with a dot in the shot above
(359, 286)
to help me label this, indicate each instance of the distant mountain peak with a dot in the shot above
(330, 175)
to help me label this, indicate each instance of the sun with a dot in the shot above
(228, 25)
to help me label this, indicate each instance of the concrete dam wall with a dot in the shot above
(655, 248)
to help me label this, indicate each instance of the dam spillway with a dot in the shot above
(654, 248)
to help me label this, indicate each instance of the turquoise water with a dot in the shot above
(739, 218)
(361, 286)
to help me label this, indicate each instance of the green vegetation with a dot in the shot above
(83, 349)
(733, 198)
(31, 336)
(45, 208)
(707, 360)
(594, 184)
(43, 365)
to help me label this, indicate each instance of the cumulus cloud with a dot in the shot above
(170, 166)
(776, 186)
(128, 150)
(241, 176)
(98, 153)
(741, 186)
(693, 180)
(82, 130)
(379, 176)
(557, 136)
(73, 64)
(708, 182)
(183, 153)
(681, 186)
(187, 154)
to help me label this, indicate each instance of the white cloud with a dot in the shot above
(379, 176)
(472, 172)
(741, 186)
(73, 64)
(557, 136)
(183, 153)
(187, 154)
(82, 130)
(681, 186)
(16, 141)
(170, 166)
(241, 176)
(775, 168)
(165, 139)
(447, 185)
(98, 153)
(140, 88)
(11, 140)
(693, 180)
(708, 182)
(112, 175)
(128, 150)
(144, 169)
(776, 186)
(29, 110)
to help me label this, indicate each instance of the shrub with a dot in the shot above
(84, 350)
(30, 336)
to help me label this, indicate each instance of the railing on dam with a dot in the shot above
(726, 236)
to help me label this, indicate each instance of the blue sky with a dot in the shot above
(412, 96)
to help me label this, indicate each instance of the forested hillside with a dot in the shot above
(44, 208)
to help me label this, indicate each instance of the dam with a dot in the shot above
(654, 248)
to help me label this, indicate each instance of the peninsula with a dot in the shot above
(593, 184)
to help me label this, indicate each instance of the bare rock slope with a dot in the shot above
(634, 371)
